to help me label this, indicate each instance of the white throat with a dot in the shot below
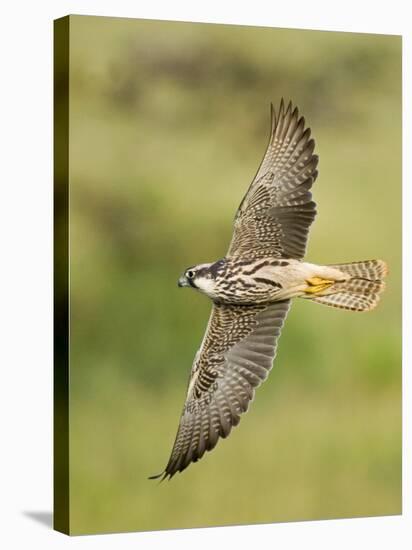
(206, 285)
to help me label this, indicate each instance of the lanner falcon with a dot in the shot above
(252, 286)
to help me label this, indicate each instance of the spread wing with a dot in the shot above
(275, 215)
(236, 355)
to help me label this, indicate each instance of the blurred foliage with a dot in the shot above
(168, 123)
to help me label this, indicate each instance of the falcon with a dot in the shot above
(251, 289)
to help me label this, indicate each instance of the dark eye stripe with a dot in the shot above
(216, 267)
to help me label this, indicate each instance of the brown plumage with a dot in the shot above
(252, 287)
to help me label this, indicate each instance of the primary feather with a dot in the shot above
(274, 217)
(235, 357)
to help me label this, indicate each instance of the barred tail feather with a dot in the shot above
(362, 291)
(374, 270)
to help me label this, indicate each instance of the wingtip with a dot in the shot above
(272, 110)
(273, 120)
(157, 476)
(281, 113)
(295, 113)
(162, 476)
(277, 114)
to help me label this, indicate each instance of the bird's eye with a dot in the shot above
(190, 274)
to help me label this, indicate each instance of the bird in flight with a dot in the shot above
(252, 286)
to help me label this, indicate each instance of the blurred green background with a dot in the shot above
(168, 124)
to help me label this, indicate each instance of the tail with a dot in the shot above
(361, 292)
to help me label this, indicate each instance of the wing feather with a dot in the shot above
(235, 357)
(274, 216)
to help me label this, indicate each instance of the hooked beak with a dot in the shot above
(182, 281)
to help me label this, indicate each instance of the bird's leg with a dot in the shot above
(316, 285)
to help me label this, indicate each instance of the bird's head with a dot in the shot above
(203, 277)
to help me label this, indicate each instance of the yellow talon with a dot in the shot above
(317, 285)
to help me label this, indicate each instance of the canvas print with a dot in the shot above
(260, 168)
